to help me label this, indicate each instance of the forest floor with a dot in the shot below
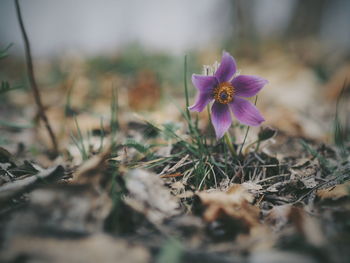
(138, 180)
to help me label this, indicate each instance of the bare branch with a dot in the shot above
(32, 81)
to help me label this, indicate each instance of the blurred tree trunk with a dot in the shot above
(244, 25)
(243, 36)
(307, 17)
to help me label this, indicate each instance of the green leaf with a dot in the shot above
(137, 146)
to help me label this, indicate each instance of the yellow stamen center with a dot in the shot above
(224, 93)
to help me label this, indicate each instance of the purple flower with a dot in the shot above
(227, 92)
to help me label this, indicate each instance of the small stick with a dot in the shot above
(32, 81)
(171, 175)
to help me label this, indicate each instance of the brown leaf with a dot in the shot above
(308, 226)
(91, 170)
(278, 216)
(334, 192)
(146, 91)
(305, 224)
(234, 203)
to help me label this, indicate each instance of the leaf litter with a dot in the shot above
(151, 190)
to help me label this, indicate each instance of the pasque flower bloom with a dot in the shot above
(228, 93)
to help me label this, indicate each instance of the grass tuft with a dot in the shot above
(79, 141)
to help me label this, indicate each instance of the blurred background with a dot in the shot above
(103, 27)
(83, 48)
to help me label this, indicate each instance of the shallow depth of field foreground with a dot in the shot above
(175, 131)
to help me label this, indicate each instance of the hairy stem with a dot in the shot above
(229, 143)
(186, 88)
(246, 133)
(245, 137)
(32, 81)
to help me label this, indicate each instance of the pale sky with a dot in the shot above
(104, 26)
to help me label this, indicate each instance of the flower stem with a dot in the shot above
(186, 89)
(245, 137)
(257, 146)
(229, 143)
(246, 133)
(250, 145)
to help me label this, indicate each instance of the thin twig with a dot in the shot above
(32, 81)
(312, 190)
(271, 178)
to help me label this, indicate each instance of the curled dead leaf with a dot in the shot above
(235, 203)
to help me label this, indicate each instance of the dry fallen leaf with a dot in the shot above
(178, 189)
(145, 92)
(235, 203)
(334, 192)
(305, 224)
(149, 196)
(278, 216)
(91, 170)
(62, 209)
(308, 226)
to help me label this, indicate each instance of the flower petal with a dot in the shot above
(246, 112)
(248, 86)
(204, 83)
(226, 69)
(221, 118)
(202, 100)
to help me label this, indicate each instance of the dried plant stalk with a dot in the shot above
(32, 81)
